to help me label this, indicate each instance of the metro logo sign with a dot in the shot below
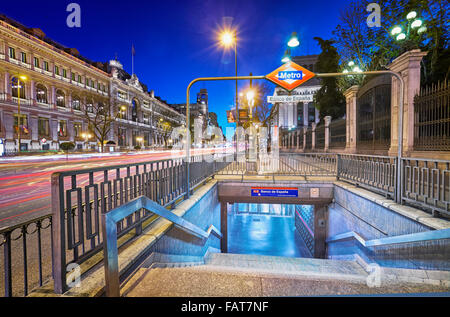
(290, 75)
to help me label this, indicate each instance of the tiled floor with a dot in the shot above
(251, 233)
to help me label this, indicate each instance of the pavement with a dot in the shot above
(236, 275)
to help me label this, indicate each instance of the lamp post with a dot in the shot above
(292, 43)
(228, 38)
(19, 77)
(86, 136)
(413, 24)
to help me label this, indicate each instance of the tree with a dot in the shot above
(375, 48)
(99, 117)
(329, 99)
(67, 146)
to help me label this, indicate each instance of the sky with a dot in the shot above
(176, 41)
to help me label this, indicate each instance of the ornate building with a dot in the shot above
(56, 88)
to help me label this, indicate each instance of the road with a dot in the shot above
(25, 184)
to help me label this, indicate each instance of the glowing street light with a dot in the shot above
(411, 15)
(286, 58)
(396, 30)
(400, 37)
(293, 41)
(416, 23)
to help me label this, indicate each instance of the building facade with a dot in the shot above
(46, 91)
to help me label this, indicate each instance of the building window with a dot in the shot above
(36, 62)
(62, 128)
(79, 79)
(76, 103)
(56, 70)
(77, 130)
(122, 137)
(12, 53)
(64, 73)
(41, 93)
(43, 127)
(73, 76)
(23, 123)
(45, 66)
(87, 82)
(89, 106)
(60, 98)
(23, 56)
(15, 87)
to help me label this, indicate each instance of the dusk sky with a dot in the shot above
(176, 40)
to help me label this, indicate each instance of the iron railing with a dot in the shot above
(377, 173)
(320, 138)
(338, 133)
(25, 257)
(426, 184)
(432, 118)
(109, 234)
(80, 197)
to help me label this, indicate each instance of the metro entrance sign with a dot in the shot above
(290, 75)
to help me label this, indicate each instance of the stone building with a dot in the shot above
(58, 86)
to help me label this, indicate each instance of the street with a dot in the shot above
(25, 185)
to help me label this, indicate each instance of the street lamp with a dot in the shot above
(293, 41)
(86, 137)
(227, 39)
(251, 101)
(413, 23)
(23, 78)
(286, 58)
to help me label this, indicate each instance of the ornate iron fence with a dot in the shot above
(320, 138)
(30, 267)
(426, 184)
(432, 118)
(374, 115)
(377, 173)
(338, 133)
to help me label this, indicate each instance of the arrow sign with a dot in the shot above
(290, 75)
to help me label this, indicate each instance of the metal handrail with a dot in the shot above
(400, 239)
(109, 232)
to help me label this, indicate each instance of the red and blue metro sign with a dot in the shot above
(290, 75)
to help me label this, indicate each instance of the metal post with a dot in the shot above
(188, 141)
(18, 112)
(59, 234)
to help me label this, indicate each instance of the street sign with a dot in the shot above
(274, 191)
(295, 98)
(290, 75)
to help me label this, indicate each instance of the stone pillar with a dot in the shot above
(298, 139)
(351, 119)
(53, 96)
(320, 231)
(327, 120)
(7, 86)
(313, 136)
(305, 129)
(316, 115)
(305, 114)
(408, 65)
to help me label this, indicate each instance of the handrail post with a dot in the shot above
(111, 260)
(59, 233)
